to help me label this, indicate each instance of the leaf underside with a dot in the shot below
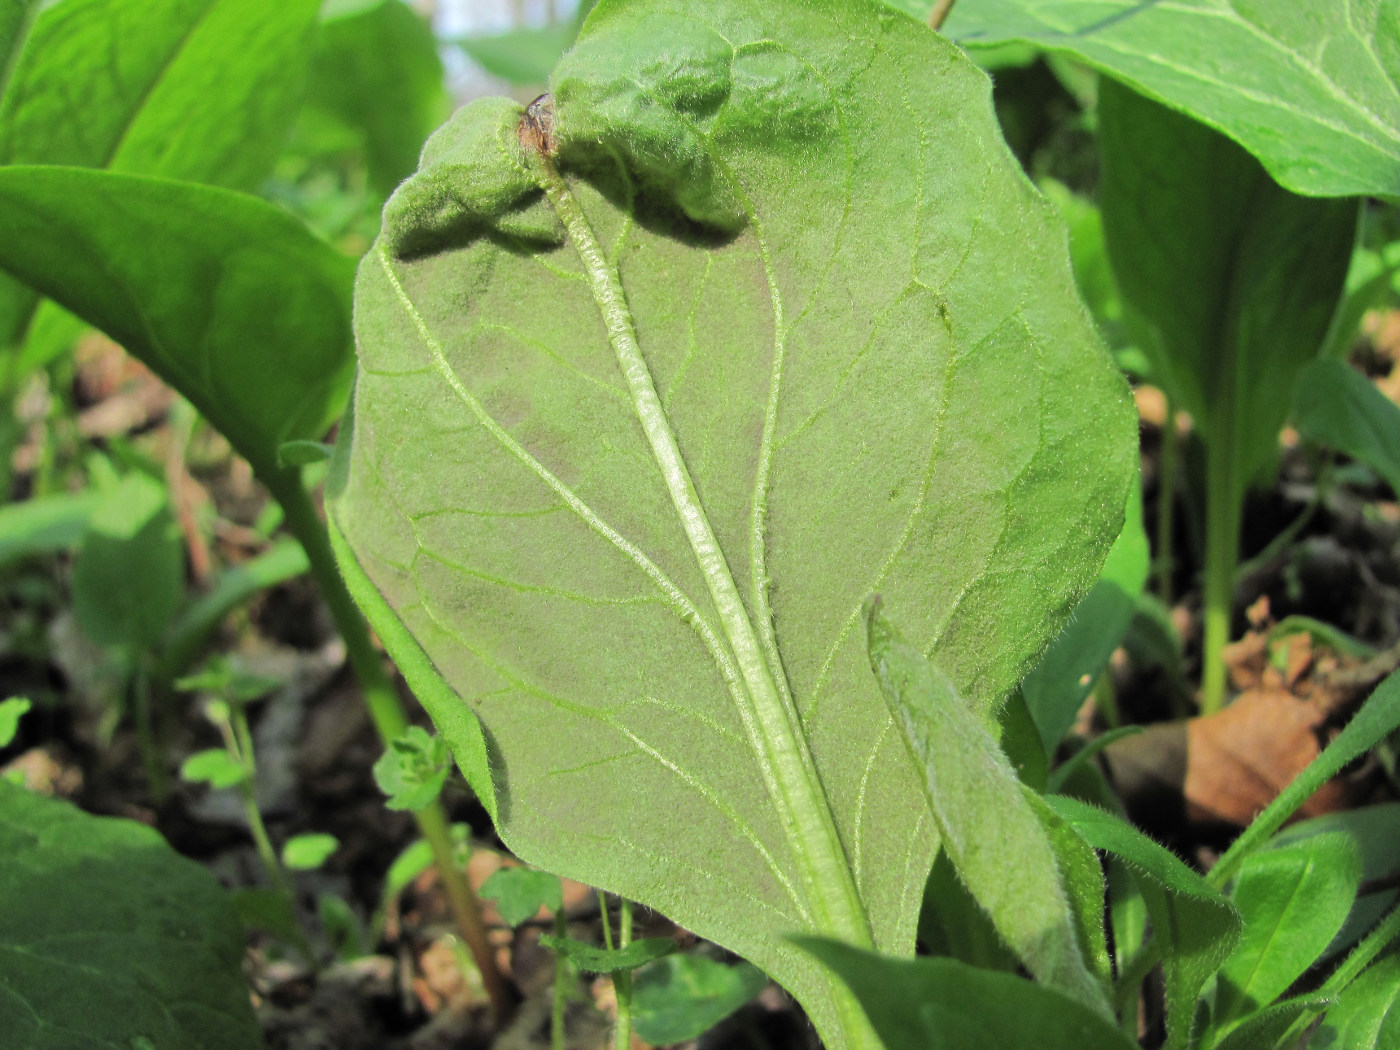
(860, 322)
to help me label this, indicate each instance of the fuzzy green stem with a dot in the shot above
(1224, 505)
(561, 973)
(387, 712)
(1166, 503)
(622, 980)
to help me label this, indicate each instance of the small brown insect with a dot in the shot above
(537, 126)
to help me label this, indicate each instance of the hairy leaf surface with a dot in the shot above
(790, 327)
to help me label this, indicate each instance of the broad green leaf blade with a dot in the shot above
(376, 68)
(860, 394)
(1367, 1014)
(591, 959)
(1379, 716)
(990, 830)
(523, 56)
(15, 17)
(1293, 900)
(520, 892)
(681, 997)
(129, 573)
(1057, 688)
(1230, 280)
(228, 299)
(1194, 927)
(44, 525)
(202, 90)
(942, 1004)
(1308, 86)
(108, 937)
(1336, 406)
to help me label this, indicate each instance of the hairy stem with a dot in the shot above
(1224, 504)
(387, 713)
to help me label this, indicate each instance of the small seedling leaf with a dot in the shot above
(308, 852)
(680, 997)
(990, 830)
(215, 767)
(102, 912)
(592, 959)
(413, 770)
(521, 892)
(11, 711)
(944, 1004)
(302, 453)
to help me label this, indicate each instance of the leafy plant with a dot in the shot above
(665, 572)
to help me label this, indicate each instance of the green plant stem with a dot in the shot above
(827, 885)
(939, 14)
(387, 713)
(622, 980)
(145, 729)
(1224, 504)
(561, 973)
(1166, 503)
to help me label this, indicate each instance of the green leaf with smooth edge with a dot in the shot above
(12, 709)
(1310, 88)
(591, 959)
(681, 997)
(231, 301)
(1378, 718)
(989, 828)
(129, 572)
(1367, 1014)
(1263, 1029)
(202, 90)
(1293, 900)
(44, 525)
(108, 936)
(308, 852)
(940, 429)
(1057, 688)
(522, 56)
(215, 767)
(376, 69)
(943, 1004)
(1229, 281)
(1337, 406)
(1194, 927)
(521, 892)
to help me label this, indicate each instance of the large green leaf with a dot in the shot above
(109, 940)
(1229, 280)
(942, 1004)
(992, 833)
(1335, 405)
(230, 300)
(1293, 900)
(1308, 86)
(376, 68)
(781, 305)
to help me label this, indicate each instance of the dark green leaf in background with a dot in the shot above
(376, 68)
(108, 937)
(863, 396)
(522, 56)
(15, 16)
(1310, 87)
(680, 997)
(1336, 406)
(591, 959)
(129, 573)
(942, 1004)
(1229, 282)
(228, 299)
(44, 524)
